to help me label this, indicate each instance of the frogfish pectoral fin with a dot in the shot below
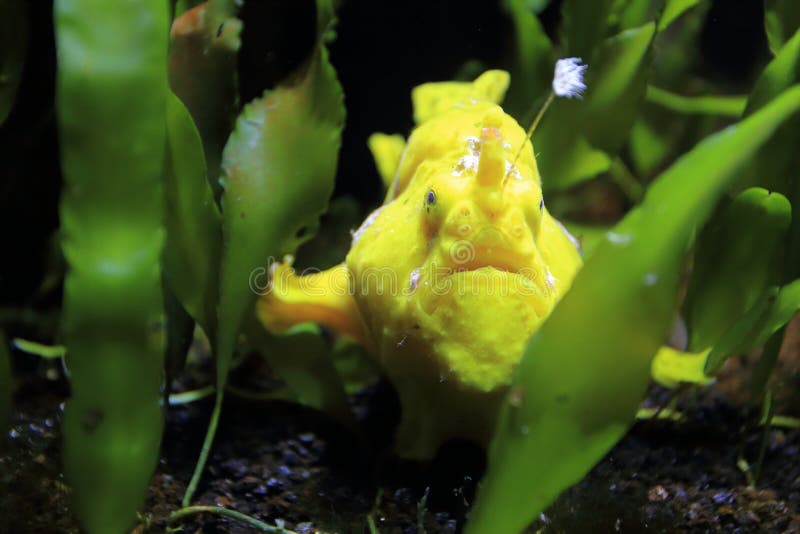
(323, 297)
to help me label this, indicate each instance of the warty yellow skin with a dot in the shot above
(447, 280)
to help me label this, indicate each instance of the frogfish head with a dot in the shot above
(465, 223)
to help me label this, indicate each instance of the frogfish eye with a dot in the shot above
(430, 199)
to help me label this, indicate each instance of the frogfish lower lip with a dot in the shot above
(465, 256)
(448, 287)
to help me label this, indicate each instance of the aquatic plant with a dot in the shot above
(180, 202)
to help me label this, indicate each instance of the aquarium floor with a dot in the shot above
(281, 462)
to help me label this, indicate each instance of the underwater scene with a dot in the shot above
(347, 266)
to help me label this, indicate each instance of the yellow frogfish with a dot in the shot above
(446, 281)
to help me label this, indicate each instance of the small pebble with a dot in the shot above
(723, 497)
(657, 494)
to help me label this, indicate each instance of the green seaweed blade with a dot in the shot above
(583, 375)
(110, 96)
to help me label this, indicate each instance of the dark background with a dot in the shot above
(382, 50)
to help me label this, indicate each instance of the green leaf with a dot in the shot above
(202, 73)
(674, 9)
(583, 26)
(302, 359)
(775, 166)
(111, 104)
(767, 316)
(779, 74)
(588, 235)
(627, 14)
(278, 170)
(741, 335)
(728, 278)
(573, 136)
(532, 65)
(617, 81)
(564, 156)
(781, 19)
(648, 146)
(574, 396)
(726, 106)
(13, 46)
(194, 233)
(49, 352)
(279, 165)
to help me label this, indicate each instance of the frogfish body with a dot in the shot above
(445, 282)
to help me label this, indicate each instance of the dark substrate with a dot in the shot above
(283, 463)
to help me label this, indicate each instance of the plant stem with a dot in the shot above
(207, 442)
(231, 514)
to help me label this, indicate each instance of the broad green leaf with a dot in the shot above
(302, 358)
(13, 46)
(194, 234)
(780, 73)
(111, 104)
(202, 73)
(671, 66)
(627, 14)
(772, 312)
(741, 335)
(781, 20)
(589, 236)
(532, 65)
(617, 80)
(728, 277)
(574, 396)
(571, 139)
(583, 25)
(674, 9)
(726, 106)
(772, 336)
(648, 145)
(775, 166)
(278, 170)
(564, 157)
(279, 165)
(6, 383)
(658, 134)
